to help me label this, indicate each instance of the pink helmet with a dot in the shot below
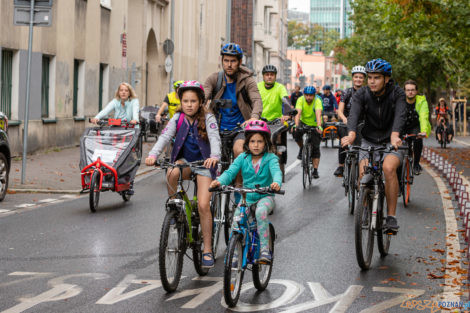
(192, 85)
(257, 127)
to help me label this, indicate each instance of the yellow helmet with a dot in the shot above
(177, 83)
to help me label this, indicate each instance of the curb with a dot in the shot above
(74, 191)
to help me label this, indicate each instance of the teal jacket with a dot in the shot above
(129, 111)
(423, 112)
(268, 173)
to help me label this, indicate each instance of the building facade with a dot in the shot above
(92, 46)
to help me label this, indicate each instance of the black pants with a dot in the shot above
(418, 149)
(315, 142)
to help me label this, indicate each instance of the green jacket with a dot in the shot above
(423, 112)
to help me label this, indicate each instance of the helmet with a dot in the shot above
(192, 85)
(326, 87)
(232, 49)
(257, 127)
(177, 83)
(358, 69)
(310, 90)
(379, 66)
(269, 68)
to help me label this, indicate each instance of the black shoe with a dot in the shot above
(339, 171)
(315, 173)
(299, 156)
(391, 226)
(417, 169)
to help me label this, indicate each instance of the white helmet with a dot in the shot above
(358, 69)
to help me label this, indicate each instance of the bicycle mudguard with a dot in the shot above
(367, 179)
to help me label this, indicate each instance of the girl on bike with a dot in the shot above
(196, 138)
(443, 121)
(259, 166)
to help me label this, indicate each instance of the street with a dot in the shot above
(60, 257)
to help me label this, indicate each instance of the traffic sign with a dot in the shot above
(42, 16)
(168, 46)
(168, 64)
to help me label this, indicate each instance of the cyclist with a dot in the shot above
(259, 167)
(358, 73)
(171, 101)
(309, 108)
(338, 94)
(196, 138)
(275, 104)
(235, 83)
(443, 120)
(295, 95)
(383, 106)
(417, 120)
(329, 104)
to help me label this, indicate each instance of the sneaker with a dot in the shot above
(299, 156)
(339, 171)
(315, 173)
(417, 169)
(391, 226)
(207, 263)
(265, 257)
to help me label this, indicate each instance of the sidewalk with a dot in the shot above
(55, 171)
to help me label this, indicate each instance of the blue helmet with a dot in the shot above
(232, 49)
(310, 90)
(379, 66)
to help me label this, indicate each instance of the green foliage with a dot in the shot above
(424, 40)
(303, 36)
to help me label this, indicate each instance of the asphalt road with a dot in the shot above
(61, 258)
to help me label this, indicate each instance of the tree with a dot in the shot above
(303, 36)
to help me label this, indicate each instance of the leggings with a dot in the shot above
(263, 206)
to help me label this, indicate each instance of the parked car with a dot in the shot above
(5, 156)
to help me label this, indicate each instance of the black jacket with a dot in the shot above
(383, 115)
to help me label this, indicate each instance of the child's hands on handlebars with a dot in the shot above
(149, 161)
(210, 162)
(215, 183)
(275, 186)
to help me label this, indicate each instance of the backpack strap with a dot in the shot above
(246, 97)
(180, 121)
(218, 86)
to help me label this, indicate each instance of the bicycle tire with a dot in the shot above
(383, 240)
(94, 191)
(352, 183)
(262, 272)
(198, 247)
(125, 196)
(310, 165)
(407, 185)
(305, 166)
(363, 214)
(232, 287)
(217, 218)
(228, 213)
(346, 177)
(172, 226)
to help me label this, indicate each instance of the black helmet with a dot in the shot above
(269, 68)
(232, 49)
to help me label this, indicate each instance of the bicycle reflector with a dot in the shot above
(114, 121)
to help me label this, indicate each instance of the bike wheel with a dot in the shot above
(383, 240)
(229, 209)
(345, 182)
(125, 196)
(406, 183)
(262, 272)
(352, 182)
(171, 251)
(364, 235)
(305, 166)
(233, 271)
(94, 191)
(310, 165)
(218, 220)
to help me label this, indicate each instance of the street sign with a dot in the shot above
(42, 16)
(168, 64)
(168, 46)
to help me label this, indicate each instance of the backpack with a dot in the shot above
(218, 86)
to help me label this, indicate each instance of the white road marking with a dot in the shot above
(25, 205)
(452, 242)
(407, 294)
(35, 275)
(47, 200)
(4, 211)
(203, 294)
(117, 294)
(290, 167)
(69, 196)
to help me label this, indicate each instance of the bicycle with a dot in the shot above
(442, 130)
(181, 229)
(350, 177)
(307, 166)
(330, 132)
(406, 173)
(369, 215)
(244, 247)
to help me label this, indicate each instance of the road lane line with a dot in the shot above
(452, 241)
(290, 167)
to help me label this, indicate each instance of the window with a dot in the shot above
(78, 87)
(6, 82)
(103, 85)
(45, 87)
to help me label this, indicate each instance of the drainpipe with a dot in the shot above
(228, 25)
(172, 37)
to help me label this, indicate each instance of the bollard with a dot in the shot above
(462, 201)
(464, 206)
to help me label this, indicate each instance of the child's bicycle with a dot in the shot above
(243, 249)
(181, 229)
(330, 132)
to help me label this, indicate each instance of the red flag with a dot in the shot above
(299, 70)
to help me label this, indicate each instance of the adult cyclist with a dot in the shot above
(383, 105)
(329, 103)
(309, 108)
(275, 105)
(417, 120)
(358, 73)
(171, 101)
(237, 84)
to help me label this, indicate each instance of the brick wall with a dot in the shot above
(242, 24)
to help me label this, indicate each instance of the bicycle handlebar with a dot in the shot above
(195, 164)
(384, 149)
(260, 190)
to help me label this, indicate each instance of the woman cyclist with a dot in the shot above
(196, 138)
(443, 121)
(259, 166)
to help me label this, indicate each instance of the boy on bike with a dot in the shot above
(383, 106)
(309, 112)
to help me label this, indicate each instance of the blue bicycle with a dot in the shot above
(244, 249)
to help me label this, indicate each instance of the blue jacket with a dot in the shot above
(268, 173)
(329, 103)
